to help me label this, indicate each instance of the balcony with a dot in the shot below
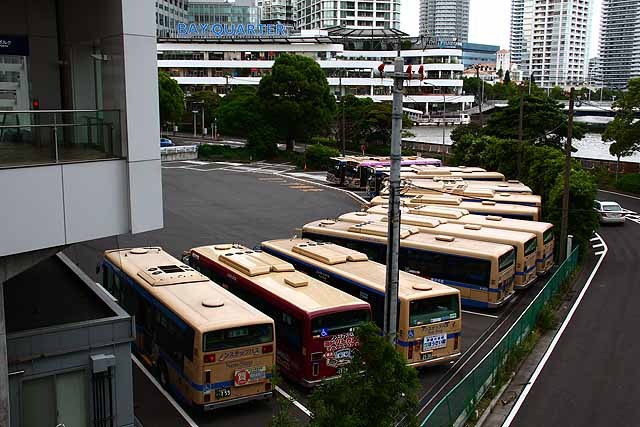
(41, 137)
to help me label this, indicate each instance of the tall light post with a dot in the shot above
(444, 113)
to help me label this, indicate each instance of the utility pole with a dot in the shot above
(393, 234)
(564, 225)
(344, 141)
(520, 132)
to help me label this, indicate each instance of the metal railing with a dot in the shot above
(456, 406)
(57, 136)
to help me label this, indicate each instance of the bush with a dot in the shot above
(263, 142)
(317, 156)
(329, 142)
(629, 182)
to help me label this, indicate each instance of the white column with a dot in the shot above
(4, 368)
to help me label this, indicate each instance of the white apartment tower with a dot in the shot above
(357, 14)
(550, 39)
(445, 19)
(620, 42)
(277, 12)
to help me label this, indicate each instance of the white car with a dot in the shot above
(609, 212)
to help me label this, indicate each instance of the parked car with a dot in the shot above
(609, 212)
(166, 142)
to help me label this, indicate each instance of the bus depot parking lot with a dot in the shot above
(207, 203)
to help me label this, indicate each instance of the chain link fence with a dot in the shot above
(455, 408)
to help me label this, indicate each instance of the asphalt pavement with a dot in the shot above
(207, 203)
(591, 377)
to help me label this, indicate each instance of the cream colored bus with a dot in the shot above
(315, 322)
(429, 321)
(525, 244)
(208, 347)
(542, 230)
(483, 272)
(485, 207)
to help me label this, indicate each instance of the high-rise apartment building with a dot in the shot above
(445, 19)
(224, 12)
(550, 39)
(620, 42)
(168, 14)
(369, 14)
(277, 12)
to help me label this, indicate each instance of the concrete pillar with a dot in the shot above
(4, 368)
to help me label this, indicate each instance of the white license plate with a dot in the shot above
(249, 376)
(433, 342)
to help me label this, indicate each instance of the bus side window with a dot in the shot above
(290, 330)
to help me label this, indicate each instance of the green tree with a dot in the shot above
(210, 100)
(583, 220)
(263, 142)
(500, 73)
(545, 121)
(239, 112)
(507, 77)
(171, 99)
(375, 391)
(624, 130)
(296, 99)
(557, 93)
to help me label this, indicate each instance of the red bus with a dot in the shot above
(315, 323)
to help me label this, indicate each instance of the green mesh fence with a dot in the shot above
(456, 406)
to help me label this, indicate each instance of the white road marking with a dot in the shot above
(620, 194)
(480, 314)
(295, 402)
(599, 245)
(196, 162)
(350, 193)
(556, 339)
(164, 392)
(599, 253)
(594, 239)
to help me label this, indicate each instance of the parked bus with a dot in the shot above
(429, 321)
(485, 207)
(315, 323)
(208, 347)
(482, 272)
(465, 192)
(525, 244)
(467, 173)
(353, 172)
(542, 230)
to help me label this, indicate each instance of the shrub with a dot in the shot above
(263, 142)
(629, 182)
(329, 142)
(317, 156)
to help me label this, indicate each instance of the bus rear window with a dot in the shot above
(336, 323)
(548, 236)
(531, 246)
(237, 337)
(432, 310)
(507, 260)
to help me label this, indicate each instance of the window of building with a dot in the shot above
(60, 400)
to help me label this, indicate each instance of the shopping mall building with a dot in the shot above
(349, 57)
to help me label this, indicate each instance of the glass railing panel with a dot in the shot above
(56, 136)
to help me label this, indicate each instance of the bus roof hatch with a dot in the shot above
(328, 253)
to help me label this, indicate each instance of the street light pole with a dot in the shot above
(194, 122)
(564, 224)
(393, 234)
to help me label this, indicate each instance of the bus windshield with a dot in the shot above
(334, 166)
(237, 337)
(336, 323)
(431, 310)
(507, 260)
(548, 236)
(530, 246)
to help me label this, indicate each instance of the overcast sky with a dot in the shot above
(488, 21)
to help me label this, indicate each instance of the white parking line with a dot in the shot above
(295, 402)
(556, 339)
(164, 392)
(480, 314)
(594, 239)
(599, 245)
